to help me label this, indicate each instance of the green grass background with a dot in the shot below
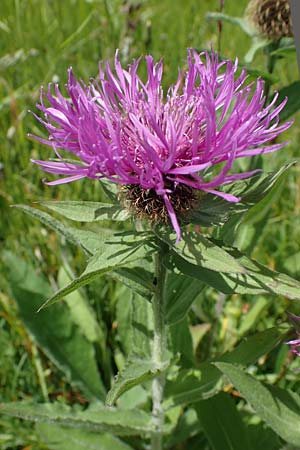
(39, 40)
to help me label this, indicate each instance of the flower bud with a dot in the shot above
(271, 18)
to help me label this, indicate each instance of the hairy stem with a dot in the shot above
(159, 347)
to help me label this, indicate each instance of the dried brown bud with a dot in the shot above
(271, 18)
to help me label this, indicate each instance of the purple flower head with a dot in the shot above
(127, 131)
(294, 343)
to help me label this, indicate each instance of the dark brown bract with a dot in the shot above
(147, 204)
(272, 18)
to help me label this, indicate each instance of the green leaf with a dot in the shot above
(195, 249)
(83, 315)
(182, 342)
(292, 264)
(256, 73)
(117, 251)
(123, 317)
(181, 292)
(135, 277)
(257, 188)
(90, 242)
(85, 211)
(110, 189)
(256, 219)
(214, 210)
(54, 330)
(256, 279)
(62, 438)
(193, 385)
(137, 397)
(188, 426)
(135, 372)
(241, 22)
(117, 421)
(222, 423)
(80, 311)
(252, 348)
(135, 330)
(251, 317)
(293, 105)
(141, 322)
(198, 332)
(266, 280)
(257, 43)
(277, 408)
(263, 437)
(285, 47)
(285, 51)
(138, 279)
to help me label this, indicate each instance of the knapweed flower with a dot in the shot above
(271, 18)
(294, 343)
(160, 149)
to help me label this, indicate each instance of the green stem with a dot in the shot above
(271, 61)
(159, 348)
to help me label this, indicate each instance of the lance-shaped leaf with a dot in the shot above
(265, 278)
(278, 408)
(241, 22)
(110, 189)
(135, 372)
(258, 43)
(84, 316)
(222, 423)
(141, 327)
(264, 437)
(84, 211)
(288, 50)
(187, 427)
(181, 292)
(117, 251)
(293, 105)
(81, 312)
(54, 329)
(254, 190)
(117, 421)
(214, 210)
(134, 319)
(90, 242)
(196, 249)
(62, 438)
(181, 343)
(138, 279)
(193, 385)
(135, 277)
(255, 279)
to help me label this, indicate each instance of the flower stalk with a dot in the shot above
(158, 353)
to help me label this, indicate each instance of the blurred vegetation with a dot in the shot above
(40, 39)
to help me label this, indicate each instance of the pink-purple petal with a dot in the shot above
(125, 130)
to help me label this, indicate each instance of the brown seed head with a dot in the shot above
(271, 18)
